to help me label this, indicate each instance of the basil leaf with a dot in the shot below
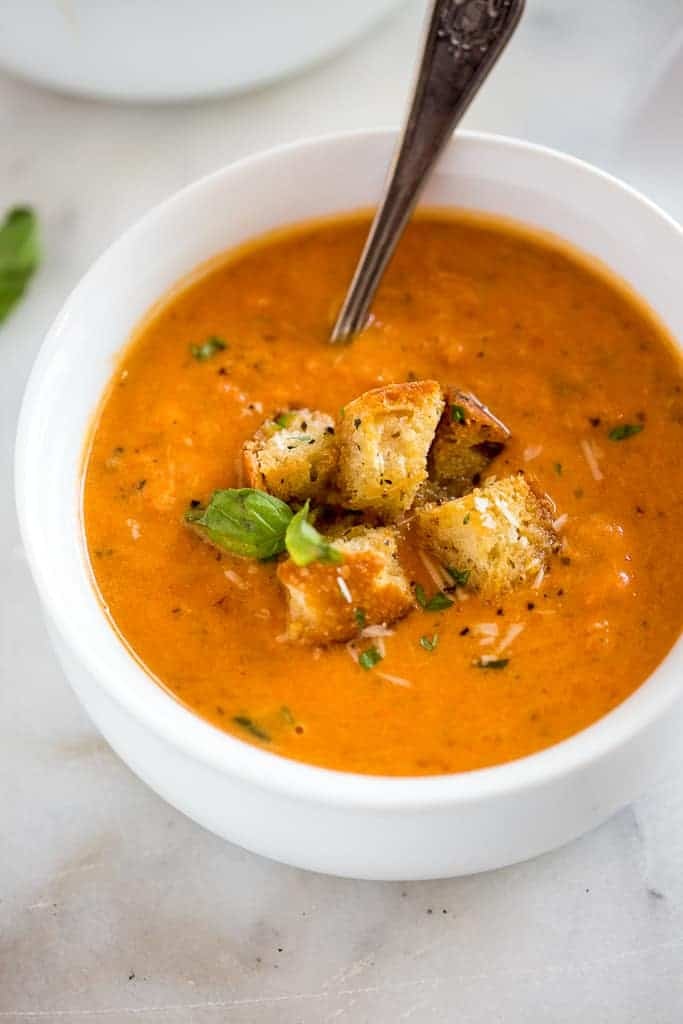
(19, 256)
(369, 658)
(437, 603)
(459, 576)
(305, 544)
(250, 726)
(624, 431)
(244, 522)
(208, 348)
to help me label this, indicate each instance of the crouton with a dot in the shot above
(468, 437)
(328, 603)
(293, 456)
(501, 534)
(384, 438)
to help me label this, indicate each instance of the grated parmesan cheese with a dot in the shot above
(560, 521)
(511, 635)
(396, 680)
(374, 631)
(438, 576)
(344, 589)
(539, 578)
(532, 452)
(590, 457)
(231, 575)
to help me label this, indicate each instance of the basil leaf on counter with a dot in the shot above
(244, 522)
(19, 256)
(305, 544)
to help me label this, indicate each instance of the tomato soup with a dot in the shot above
(589, 385)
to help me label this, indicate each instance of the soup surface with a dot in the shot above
(558, 350)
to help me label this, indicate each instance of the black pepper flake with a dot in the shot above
(176, 611)
(195, 503)
(140, 485)
(500, 612)
(357, 423)
(464, 631)
(594, 421)
(566, 560)
(530, 605)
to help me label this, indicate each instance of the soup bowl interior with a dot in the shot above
(330, 821)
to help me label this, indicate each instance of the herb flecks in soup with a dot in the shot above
(445, 649)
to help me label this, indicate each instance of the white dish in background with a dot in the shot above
(340, 823)
(163, 50)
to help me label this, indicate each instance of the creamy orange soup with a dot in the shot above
(557, 349)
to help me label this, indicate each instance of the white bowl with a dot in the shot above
(367, 827)
(173, 49)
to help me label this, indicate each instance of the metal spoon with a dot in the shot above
(464, 40)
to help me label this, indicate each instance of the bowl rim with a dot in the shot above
(227, 754)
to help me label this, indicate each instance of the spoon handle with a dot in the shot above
(464, 40)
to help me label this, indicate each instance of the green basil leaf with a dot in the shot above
(19, 256)
(244, 522)
(369, 658)
(457, 414)
(437, 603)
(208, 348)
(250, 726)
(459, 576)
(305, 544)
(624, 431)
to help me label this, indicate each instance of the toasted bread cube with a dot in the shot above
(328, 603)
(384, 439)
(468, 437)
(293, 456)
(502, 534)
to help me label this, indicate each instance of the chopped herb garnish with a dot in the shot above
(287, 716)
(466, 519)
(283, 420)
(437, 603)
(557, 466)
(625, 430)
(208, 348)
(429, 643)
(457, 414)
(249, 725)
(494, 663)
(459, 576)
(299, 439)
(244, 522)
(305, 544)
(369, 658)
(19, 256)
(360, 617)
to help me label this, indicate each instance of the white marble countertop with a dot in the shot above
(115, 907)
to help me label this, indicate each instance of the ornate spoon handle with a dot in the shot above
(464, 40)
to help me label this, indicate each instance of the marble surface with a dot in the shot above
(114, 907)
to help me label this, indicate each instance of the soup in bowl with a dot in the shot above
(404, 607)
